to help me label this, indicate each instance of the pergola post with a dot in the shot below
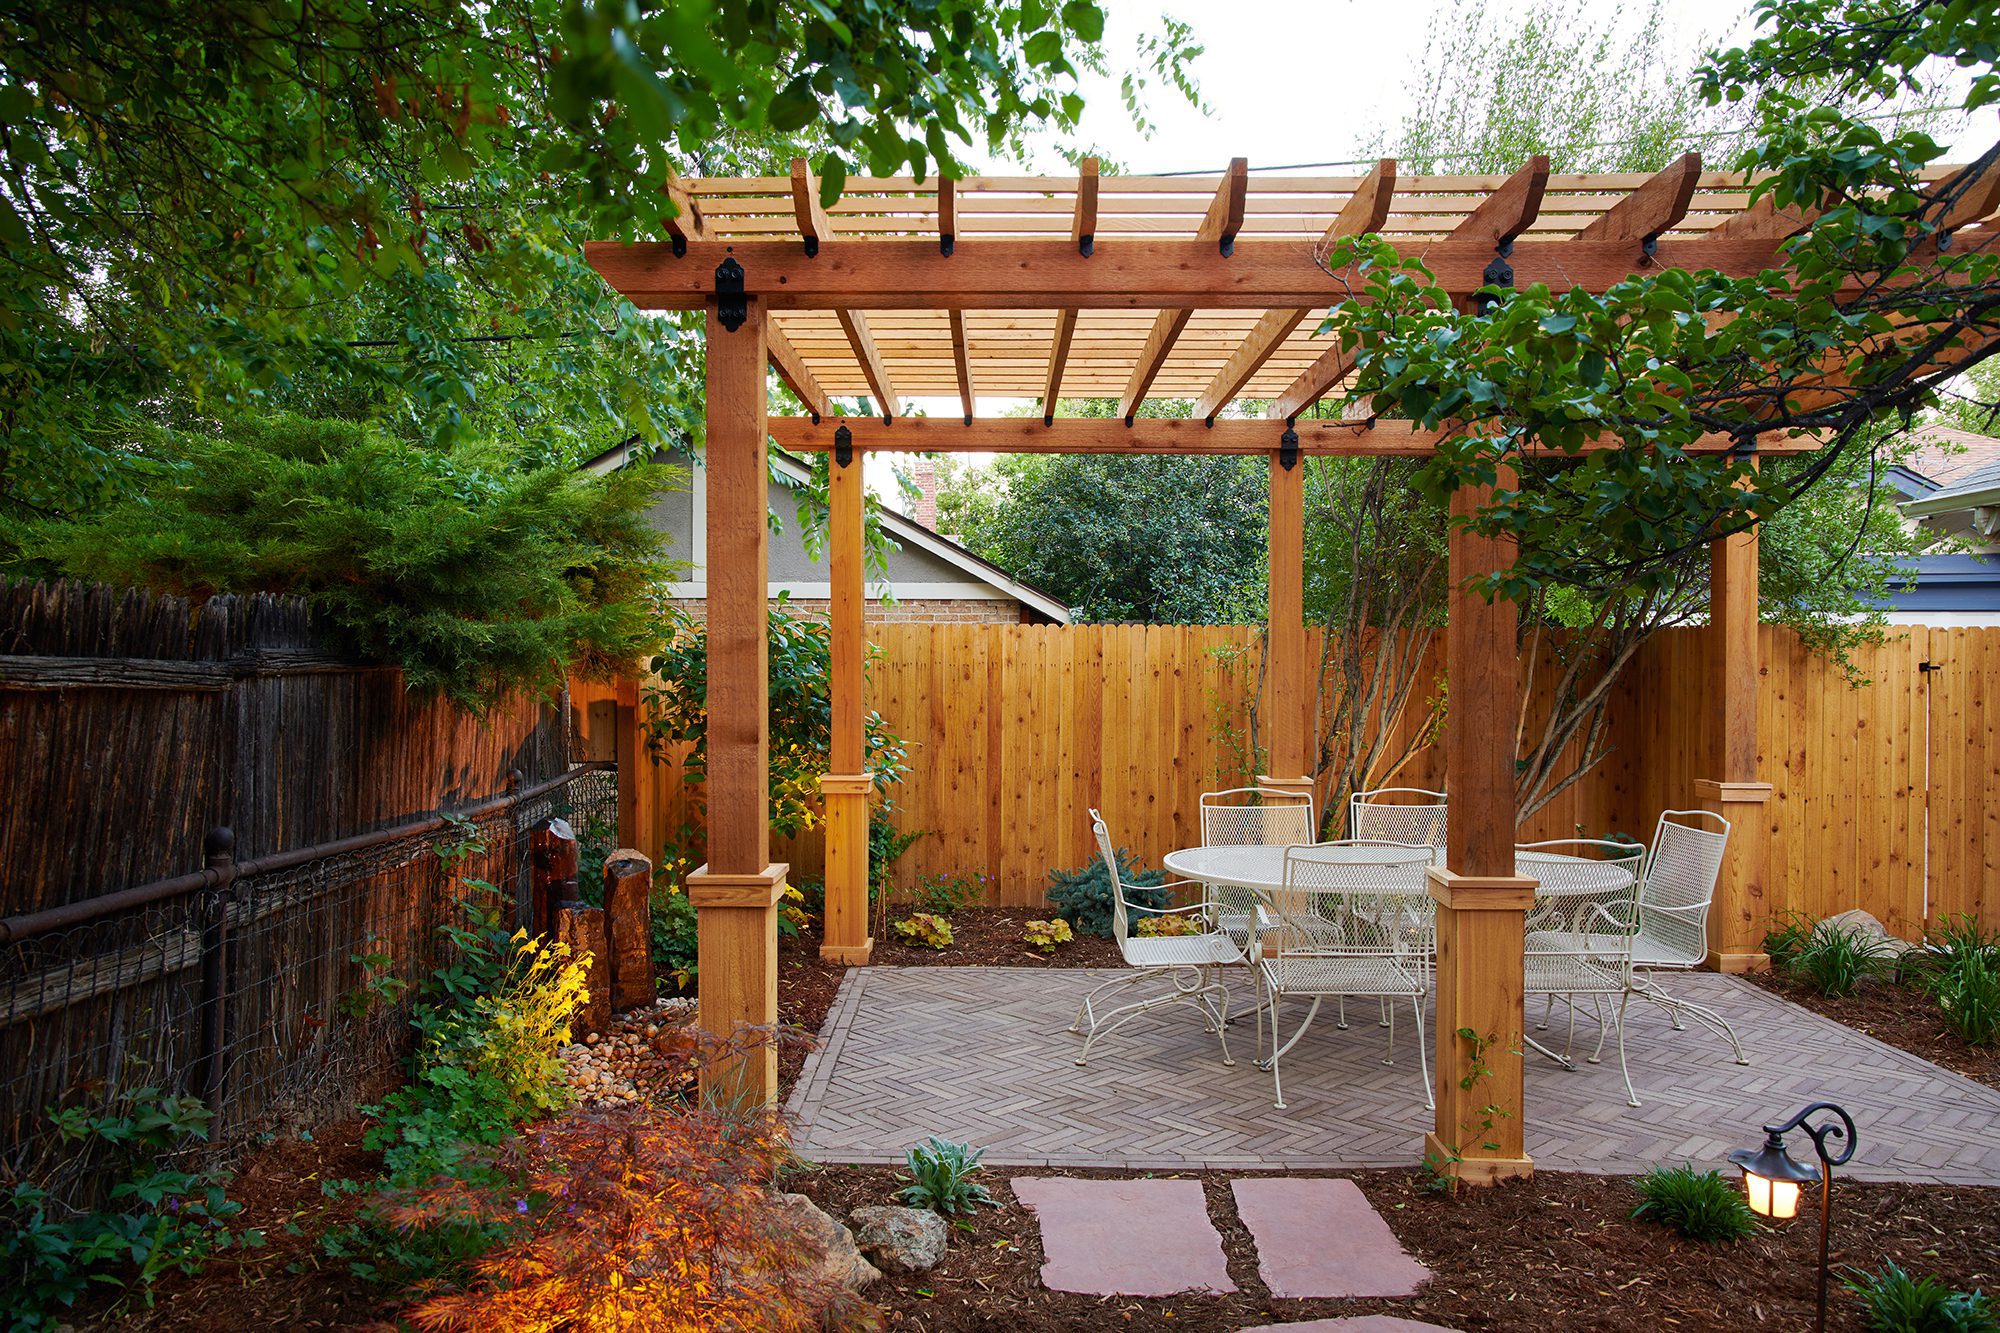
(1481, 903)
(736, 893)
(1737, 919)
(845, 789)
(1288, 695)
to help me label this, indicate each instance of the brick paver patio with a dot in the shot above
(981, 1054)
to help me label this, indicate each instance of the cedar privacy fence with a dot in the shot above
(1880, 801)
(223, 854)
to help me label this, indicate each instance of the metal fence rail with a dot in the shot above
(265, 987)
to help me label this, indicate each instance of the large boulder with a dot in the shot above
(1864, 928)
(900, 1240)
(840, 1261)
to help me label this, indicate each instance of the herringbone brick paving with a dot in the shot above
(981, 1054)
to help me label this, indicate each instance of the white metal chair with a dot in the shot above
(1189, 962)
(1398, 814)
(1580, 932)
(1675, 892)
(1351, 918)
(1249, 817)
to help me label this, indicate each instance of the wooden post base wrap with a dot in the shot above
(1741, 912)
(737, 933)
(1477, 1138)
(846, 939)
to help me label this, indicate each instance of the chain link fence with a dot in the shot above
(278, 991)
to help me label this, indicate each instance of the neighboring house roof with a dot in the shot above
(900, 527)
(1947, 583)
(1950, 455)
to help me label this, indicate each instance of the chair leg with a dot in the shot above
(1653, 993)
(1085, 1009)
(1277, 1079)
(1222, 1020)
(1386, 1021)
(1631, 1097)
(1548, 1010)
(1389, 1054)
(1340, 1014)
(1423, 1054)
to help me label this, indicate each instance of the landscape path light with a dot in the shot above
(1773, 1180)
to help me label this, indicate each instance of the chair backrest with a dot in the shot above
(1679, 882)
(1120, 925)
(1588, 902)
(1398, 814)
(1256, 817)
(1355, 897)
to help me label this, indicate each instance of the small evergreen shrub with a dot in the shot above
(1047, 936)
(926, 930)
(1701, 1205)
(1083, 896)
(941, 1177)
(1895, 1302)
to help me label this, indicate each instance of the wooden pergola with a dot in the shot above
(1133, 287)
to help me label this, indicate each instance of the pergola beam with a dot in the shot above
(1365, 213)
(1159, 435)
(816, 227)
(792, 369)
(1083, 232)
(1652, 208)
(1218, 228)
(1121, 274)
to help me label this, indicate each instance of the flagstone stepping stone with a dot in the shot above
(1125, 1237)
(1353, 1323)
(1318, 1237)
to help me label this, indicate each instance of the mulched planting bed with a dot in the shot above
(288, 1283)
(1555, 1254)
(1897, 1015)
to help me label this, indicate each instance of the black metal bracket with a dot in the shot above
(812, 247)
(1928, 667)
(1649, 249)
(680, 244)
(843, 447)
(968, 418)
(1229, 245)
(1086, 243)
(1944, 240)
(1288, 449)
(731, 306)
(1499, 273)
(947, 242)
(1048, 419)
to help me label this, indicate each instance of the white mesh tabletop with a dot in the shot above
(1263, 867)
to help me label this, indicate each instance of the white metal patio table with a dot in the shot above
(1261, 868)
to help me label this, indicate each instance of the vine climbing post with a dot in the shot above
(1737, 921)
(1481, 903)
(736, 893)
(845, 788)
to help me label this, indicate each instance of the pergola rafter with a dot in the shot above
(1131, 288)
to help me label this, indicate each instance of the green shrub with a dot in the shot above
(469, 570)
(492, 1028)
(1959, 967)
(1701, 1205)
(1047, 935)
(924, 929)
(1083, 896)
(163, 1219)
(672, 921)
(941, 1177)
(1895, 1302)
(1159, 927)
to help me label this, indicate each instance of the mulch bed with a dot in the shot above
(1897, 1015)
(288, 1283)
(1555, 1254)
